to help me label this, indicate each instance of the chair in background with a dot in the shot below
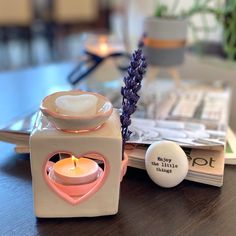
(15, 23)
(40, 31)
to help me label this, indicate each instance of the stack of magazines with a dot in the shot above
(194, 116)
(205, 166)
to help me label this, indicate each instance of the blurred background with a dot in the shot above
(35, 32)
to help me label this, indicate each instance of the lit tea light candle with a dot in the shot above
(77, 105)
(73, 171)
(104, 49)
(101, 49)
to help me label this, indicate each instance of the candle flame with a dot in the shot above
(104, 48)
(74, 160)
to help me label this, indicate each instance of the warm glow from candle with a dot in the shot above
(74, 160)
(104, 48)
(74, 170)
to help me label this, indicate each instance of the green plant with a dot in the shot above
(199, 6)
(229, 22)
(225, 13)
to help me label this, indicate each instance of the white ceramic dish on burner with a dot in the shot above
(73, 123)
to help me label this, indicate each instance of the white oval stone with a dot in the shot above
(166, 163)
(77, 105)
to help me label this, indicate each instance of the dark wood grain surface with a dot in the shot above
(145, 208)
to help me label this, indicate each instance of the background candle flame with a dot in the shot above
(104, 48)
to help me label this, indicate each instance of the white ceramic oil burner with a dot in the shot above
(76, 156)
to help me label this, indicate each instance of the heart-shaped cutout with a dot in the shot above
(77, 105)
(75, 193)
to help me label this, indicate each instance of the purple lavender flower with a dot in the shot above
(130, 90)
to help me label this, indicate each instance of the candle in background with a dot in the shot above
(77, 105)
(73, 171)
(102, 47)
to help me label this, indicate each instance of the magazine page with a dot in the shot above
(19, 131)
(23, 125)
(191, 115)
(186, 134)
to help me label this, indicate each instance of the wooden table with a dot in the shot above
(145, 208)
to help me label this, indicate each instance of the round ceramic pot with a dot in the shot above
(165, 40)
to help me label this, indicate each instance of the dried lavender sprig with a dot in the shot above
(129, 91)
